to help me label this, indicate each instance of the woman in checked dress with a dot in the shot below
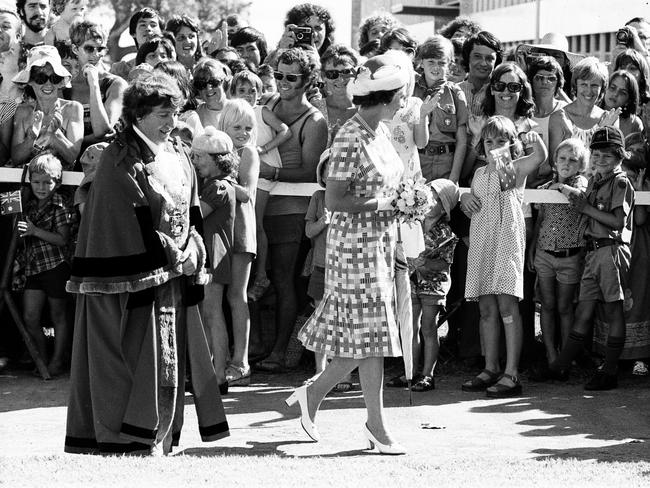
(355, 322)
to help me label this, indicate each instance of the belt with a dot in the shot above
(564, 253)
(593, 244)
(437, 149)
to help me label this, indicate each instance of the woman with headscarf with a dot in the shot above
(138, 271)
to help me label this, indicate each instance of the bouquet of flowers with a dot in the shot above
(413, 201)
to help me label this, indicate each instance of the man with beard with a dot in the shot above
(34, 14)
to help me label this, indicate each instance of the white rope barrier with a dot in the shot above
(13, 175)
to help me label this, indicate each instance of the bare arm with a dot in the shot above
(313, 144)
(558, 130)
(338, 198)
(528, 164)
(283, 133)
(6, 130)
(22, 141)
(68, 143)
(249, 168)
(104, 115)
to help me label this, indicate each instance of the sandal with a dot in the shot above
(499, 390)
(426, 383)
(342, 387)
(238, 375)
(479, 384)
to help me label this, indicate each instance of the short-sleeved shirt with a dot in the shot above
(450, 113)
(52, 217)
(315, 211)
(608, 193)
(559, 228)
(473, 98)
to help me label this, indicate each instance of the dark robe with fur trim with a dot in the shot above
(137, 322)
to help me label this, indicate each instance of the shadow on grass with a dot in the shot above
(256, 449)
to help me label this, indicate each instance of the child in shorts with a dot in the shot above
(555, 251)
(430, 283)
(46, 231)
(607, 211)
(445, 108)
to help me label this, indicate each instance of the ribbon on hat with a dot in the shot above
(387, 77)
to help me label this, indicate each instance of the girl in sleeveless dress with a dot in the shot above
(239, 122)
(271, 132)
(496, 249)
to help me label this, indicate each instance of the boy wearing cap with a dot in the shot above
(430, 279)
(607, 211)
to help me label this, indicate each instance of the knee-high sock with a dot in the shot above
(612, 353)
(571, 349)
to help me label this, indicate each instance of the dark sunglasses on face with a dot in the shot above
(203, 84)
(290, 77)
(41, 78)
(513, 87)
(92, 49)
(333, 74)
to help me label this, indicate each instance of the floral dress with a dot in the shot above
(356, 317)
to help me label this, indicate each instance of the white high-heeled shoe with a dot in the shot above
(300, 395)
(392, 449)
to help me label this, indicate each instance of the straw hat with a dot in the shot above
(39, 56)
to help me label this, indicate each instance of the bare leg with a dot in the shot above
(371, 374)
(33, 303)
(417, 342)
(509, 310)
(215, 325)
(238, 300)
(59, 313)
(547, 316)
(431, 340)
(490, 332)
(261, 200)
(337, 369)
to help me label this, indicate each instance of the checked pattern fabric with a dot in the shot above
(356, 317)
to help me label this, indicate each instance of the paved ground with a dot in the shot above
(549, 420)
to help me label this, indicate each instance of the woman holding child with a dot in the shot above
(137, 319)
(359, 330)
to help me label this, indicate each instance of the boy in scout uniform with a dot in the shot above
(607, 212)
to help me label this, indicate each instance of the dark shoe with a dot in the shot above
(499, 390)
(479, 384)
(223, 388)
(425, 383)
(397, 382)
(602, 381)
(546, 373)
(270, 366)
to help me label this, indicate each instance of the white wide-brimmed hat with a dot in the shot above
(40, 56)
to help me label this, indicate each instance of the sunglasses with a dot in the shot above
(290, 77)
(41, 78)
(92, 49)
(333, 74)
(513, 87)
(203, 84)
(545, 79)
